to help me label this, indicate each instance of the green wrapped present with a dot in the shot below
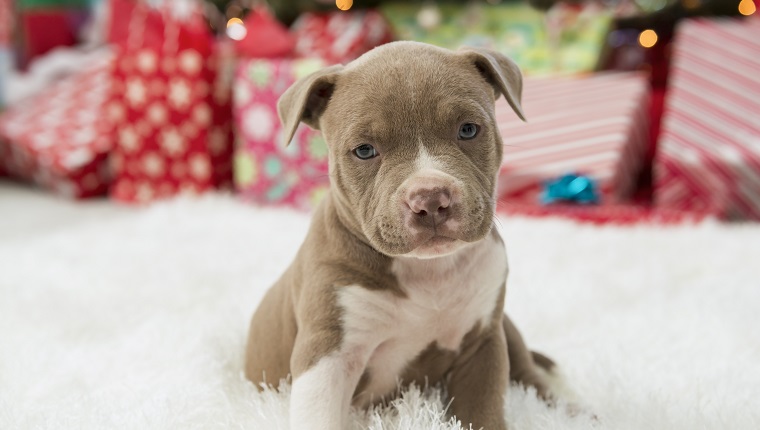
(564, 40)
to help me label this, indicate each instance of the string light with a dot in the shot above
(747, 7)
(344, 4)
(647, 38)
(235, 29)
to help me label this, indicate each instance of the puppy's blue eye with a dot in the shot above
(467, 131)
(365, 152)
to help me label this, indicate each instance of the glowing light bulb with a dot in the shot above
(344, 4)
(235, 29)
(747, 7)
(647, 38)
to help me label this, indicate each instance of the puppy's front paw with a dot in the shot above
(559, 393)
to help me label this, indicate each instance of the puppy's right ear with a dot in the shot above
(306, 100)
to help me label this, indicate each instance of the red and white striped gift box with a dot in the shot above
(594, 125)
(708, 155)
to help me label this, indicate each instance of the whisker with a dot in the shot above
(496, 219)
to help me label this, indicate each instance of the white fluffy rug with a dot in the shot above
(138, 321)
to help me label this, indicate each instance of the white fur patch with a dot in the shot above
(321, 396)
(430, 167)
(425, 161)
(397, 329)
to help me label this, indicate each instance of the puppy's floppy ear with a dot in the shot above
(306, 100)
(501, 72)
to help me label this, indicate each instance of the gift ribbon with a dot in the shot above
(571, 188)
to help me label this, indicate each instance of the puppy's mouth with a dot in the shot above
(424, 236)
(436, 245)
(439, 240)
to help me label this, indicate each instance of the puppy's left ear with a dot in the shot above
(501, 72)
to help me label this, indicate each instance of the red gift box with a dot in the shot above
(708, 157)
(264, 37)
(339, 37)
(57, 139)
(593, 125)
(171, 109)
(44, 30)
(6, 22)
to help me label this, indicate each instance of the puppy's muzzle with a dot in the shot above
(429, 206)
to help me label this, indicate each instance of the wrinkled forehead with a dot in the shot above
(392, 96)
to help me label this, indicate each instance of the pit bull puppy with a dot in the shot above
(402, 275)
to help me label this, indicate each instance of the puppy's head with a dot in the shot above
(413, 145)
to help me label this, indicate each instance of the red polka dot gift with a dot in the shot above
(57, 139)
(171, 108)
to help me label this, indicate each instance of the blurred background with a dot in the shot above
(637, 109)
(119, 311)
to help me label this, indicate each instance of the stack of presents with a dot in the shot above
(170, 109)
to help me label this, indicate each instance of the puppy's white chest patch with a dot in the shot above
(445, 298)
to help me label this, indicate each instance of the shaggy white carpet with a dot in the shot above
(137, 319)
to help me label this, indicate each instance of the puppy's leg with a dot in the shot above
(478, 383)
(270, 339)
(532, 369)
(323, 384)
(523, 365)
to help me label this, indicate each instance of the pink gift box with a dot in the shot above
(267, 171)
(708, 157)
(595, 125)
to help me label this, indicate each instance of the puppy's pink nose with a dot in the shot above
(429, 205)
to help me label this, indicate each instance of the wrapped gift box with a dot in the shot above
(708, 156)
(265, 36)
(339, 37)
(58, 139)
(266, 170)
(619, 214)
(6, 22)
(594, 126)
(171, 110)
(570, 40)
(47, 24)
